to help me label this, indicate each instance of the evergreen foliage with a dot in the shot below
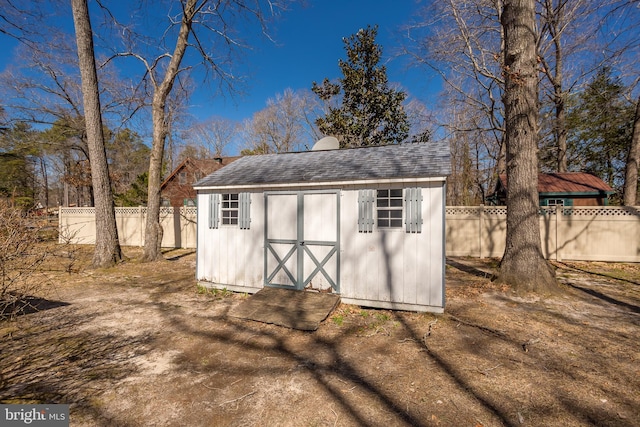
(600, 129)
(17, 171)
(135, 194)
(370, 112)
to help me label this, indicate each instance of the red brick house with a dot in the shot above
(562, 189)
(177, 189)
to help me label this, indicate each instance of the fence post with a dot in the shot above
(142, 226)
(559, 244)
(59, 224)
(480, 227)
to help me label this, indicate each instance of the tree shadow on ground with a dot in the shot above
(21, 305)
(320, 357)
(595, 273)
(225, 363)
(602, 296)
(53, 360)
(171, 255)
(469, 269)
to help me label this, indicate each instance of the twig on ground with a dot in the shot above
(334, 413)
(486, 371)
(210, 388)
(454, 404)
(428, 333)
(378, 328)
(482, 328)
(238, 398)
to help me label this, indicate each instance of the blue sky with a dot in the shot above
(307, 46)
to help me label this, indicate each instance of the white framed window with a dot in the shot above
(389, 208)
(392, 207)
(555, 202)
(230, 208)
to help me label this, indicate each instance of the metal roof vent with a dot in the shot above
(326, 143)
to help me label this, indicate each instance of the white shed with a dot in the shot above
(365, 223)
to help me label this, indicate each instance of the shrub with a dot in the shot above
(19, 260)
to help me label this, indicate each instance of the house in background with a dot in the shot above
(364, 223)
(561, 189)
(177, 189)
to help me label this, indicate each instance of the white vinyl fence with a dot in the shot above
(77, 225)
(599, 233)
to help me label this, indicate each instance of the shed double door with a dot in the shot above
(302, 247)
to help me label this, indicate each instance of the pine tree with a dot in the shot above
(370, 112)
(600, 128)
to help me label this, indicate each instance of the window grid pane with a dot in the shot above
(389, 205)
(230, 209)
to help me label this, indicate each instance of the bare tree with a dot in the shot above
(421, 120)
(576, 39)
(42, 86)
(107, 250)
(215, 135)
(44, 42)
(190, 151)
(472, 167)
(462, 41)
(523, 265)
(564, 32)
(205, 27)
(279, 127)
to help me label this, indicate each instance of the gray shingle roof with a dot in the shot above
(371, 163)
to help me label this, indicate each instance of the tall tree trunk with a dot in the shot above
(45, 180)
(560, 126)
(107, 249)
(153, 229)
(523, 266)
(631, 173)
(555, 20)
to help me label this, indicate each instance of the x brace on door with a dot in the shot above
(279, 252)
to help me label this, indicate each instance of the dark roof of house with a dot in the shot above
(568, 182)
(205, 166)
(367, 163)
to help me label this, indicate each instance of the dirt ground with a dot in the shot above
(140, 345)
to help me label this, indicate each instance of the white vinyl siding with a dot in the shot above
(384, 267)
